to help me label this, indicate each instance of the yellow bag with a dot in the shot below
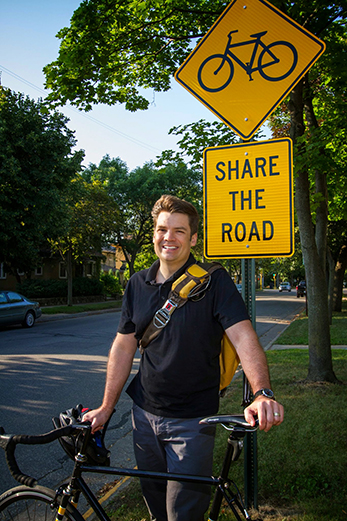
(228, 362)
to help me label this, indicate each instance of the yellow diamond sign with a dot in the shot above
(247, 63)
(248, 200)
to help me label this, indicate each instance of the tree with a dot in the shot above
(91, 216)
(305, 124)
(36, 166)
(140, 44)
(136, 192)
(113, 50)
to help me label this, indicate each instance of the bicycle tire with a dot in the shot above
(221, 57)
(265, 51)
(32, 504)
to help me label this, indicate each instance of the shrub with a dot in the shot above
(43, 288)
(111, 283)
(81, 286)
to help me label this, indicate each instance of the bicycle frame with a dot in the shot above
(222, 483)
(248, 67)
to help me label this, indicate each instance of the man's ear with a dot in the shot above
(194, 239)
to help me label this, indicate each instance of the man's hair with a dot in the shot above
(172, 204)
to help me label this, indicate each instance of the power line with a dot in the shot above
(87, 116)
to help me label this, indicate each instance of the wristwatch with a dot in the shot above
(265, 392)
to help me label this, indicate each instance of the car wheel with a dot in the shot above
(29, 320)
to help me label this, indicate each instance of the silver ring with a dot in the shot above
(277, 414)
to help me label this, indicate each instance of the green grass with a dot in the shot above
(297, 332)
(80, 308)
(302, 463)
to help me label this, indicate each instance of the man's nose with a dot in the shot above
(169, 235)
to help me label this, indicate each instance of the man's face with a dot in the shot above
(172, 238)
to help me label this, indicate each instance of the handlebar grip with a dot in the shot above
(29, 440)
(13, 467)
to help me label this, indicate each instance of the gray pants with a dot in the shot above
(173, 445)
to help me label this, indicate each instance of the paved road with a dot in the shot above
(60, 363)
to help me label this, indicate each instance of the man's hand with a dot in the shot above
(269, 413)
(97, 417)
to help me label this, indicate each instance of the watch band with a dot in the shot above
(268, 393)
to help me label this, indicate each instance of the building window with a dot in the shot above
(62, 270)
(90, 269)
(38, 270)
(3, 274)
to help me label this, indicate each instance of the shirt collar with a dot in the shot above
(152, 272)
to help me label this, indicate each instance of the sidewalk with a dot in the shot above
(62, 316)
(279, 346)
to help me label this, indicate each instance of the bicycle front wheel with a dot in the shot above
(32, 504)
(215, 73)
(277, 61)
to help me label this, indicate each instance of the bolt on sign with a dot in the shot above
(248, 62)
(248, 200)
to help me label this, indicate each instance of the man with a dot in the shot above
(178, 380)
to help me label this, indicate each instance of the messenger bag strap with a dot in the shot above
(191, 285)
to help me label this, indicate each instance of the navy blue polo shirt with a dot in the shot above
(179, 370)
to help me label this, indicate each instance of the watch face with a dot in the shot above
(268, 393)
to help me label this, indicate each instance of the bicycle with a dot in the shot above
(216, 64)
(32, 502)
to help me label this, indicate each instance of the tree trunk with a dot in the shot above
(69, 276)
(331, 278)
(320, 359)
(339, 274)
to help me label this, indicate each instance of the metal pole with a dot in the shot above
(250, 443)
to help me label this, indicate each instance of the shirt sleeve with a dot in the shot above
(126, 324)
(229, 307)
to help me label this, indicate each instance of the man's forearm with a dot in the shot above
(118, 369)
(251, 353)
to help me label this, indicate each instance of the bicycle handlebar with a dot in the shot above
(8, 442)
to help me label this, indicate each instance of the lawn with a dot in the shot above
(297, 332)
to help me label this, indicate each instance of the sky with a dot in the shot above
(28, 42)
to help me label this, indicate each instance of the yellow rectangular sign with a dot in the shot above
(248, 200)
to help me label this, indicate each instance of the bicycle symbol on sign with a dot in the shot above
(276, 61)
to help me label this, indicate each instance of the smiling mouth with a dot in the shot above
(169, 247)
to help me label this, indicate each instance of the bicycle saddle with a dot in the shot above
(236, 420)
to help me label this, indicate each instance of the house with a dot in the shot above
(51, 268)
(113, 259)
(54, 268)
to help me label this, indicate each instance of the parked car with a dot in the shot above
(16, 309)
(301, 289)
(285, 286)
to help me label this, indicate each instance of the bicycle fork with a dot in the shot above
(226, 486)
